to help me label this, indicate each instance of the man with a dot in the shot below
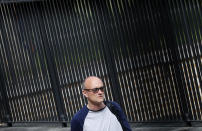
(98, 115)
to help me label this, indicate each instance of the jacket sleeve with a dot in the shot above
(121, 116)
(75, 125)
(78, 119)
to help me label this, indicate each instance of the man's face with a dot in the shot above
(94, 91)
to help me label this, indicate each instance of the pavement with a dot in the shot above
(134, 127)
(68, 129)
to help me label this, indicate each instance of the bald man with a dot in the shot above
(98, 115)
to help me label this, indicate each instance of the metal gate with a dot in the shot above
(147, 52)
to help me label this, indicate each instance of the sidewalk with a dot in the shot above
(135, 127)
(68, 129)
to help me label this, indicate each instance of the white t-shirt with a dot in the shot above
(103, 120)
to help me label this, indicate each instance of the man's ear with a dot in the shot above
(84, 93)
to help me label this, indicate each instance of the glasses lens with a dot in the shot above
(102, 88)
(95, 90)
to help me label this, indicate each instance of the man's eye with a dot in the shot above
(95, 89)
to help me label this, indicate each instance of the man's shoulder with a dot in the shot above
(81, 114)
(78, 119)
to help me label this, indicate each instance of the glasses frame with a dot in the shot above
(96, 90)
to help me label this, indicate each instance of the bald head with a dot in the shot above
(91, 82)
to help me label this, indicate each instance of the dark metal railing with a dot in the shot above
(148, 54)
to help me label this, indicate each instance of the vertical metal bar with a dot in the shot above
(54, 80)
(174, 17)
(68, 69)
(150, 61)
(3, 80)
(147, 106)
(162, 69)
(100, 24)
(20, 69)
(7, 117)
(170, 38)
(40, 60)
(150, 50)
(77, 39)
(187, 42)
(110, 63)
(27, 49)
(134, 43)
(132, 50)
(121, 55)
(192, 52)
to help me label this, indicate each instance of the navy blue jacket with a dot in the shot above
(79, 118)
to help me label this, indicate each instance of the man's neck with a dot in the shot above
(96, 107)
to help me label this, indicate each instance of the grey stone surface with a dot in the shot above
(135, 127)
(68, 129)
(34, 129)
(168, 129)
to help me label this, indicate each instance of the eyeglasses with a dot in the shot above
(95, 90)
